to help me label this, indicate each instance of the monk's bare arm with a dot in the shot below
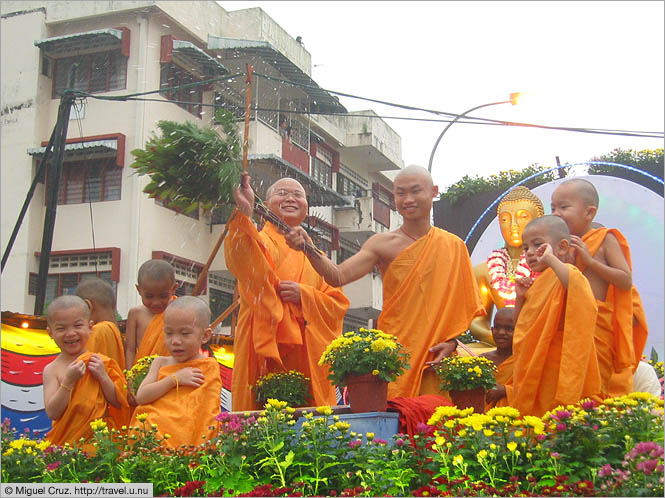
(56, 391)
(545, 254)
(352, 269)
(521, 287)
(616, 271)
(131, 336)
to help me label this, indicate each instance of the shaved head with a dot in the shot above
(195, 304)
(505, 312)
(156, 270)
(64, 303)
(584, 189)
(286, 183)
(414, 170)
(96, 290)
(553, 226)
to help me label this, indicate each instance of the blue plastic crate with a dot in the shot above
(383, 424)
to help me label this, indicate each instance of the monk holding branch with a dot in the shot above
(603, 256)
(553, 344)
(430, 294)
(80, 387)
(181, 392)
(105, 337)
(288, 315)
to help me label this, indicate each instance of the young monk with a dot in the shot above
(288, 315)
(430, 294)
(555, 356)
(181, 392)
(603, 256)
(145, 323)
(502, 356)
(105, 338)
(79, 387)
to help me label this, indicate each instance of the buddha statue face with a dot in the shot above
(515, 211)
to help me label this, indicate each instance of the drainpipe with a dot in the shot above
(136, 180)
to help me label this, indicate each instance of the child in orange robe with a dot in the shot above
(553, 345)
(502, 333)
(184, 383)
(80, 387)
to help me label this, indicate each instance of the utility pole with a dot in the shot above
(53, 174)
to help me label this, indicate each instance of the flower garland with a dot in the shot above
(503, 274)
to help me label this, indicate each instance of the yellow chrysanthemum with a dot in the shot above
(512, 446)
(324, 410)
(97, 425)
(141, 417)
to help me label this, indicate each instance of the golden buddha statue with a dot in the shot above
(496, 277)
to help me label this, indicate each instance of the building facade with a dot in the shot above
(105, 224)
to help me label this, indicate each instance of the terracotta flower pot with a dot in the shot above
(367, 393)
(471, 398)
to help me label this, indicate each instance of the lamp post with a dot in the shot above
(514, 97)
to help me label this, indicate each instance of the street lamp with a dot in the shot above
(514, 97)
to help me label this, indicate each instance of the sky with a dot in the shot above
(596, 64)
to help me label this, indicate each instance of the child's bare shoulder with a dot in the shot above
(138, 311)
(55, 368)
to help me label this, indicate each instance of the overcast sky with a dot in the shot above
(583, 64)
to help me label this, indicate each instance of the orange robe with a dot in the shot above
(429, 296)
(87, 403)
(621, 329)
(272, 335)
(554, 366)
(503, 376)
(186, 413)
(106, 339)
(153, 339)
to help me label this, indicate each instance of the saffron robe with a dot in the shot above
(621, 328)
(555, 366)
(87, 403)
(271, 335)
(503, 376)
(414, 412)
(153, 339)
(429, 296)
(186, 413)
(106, 339)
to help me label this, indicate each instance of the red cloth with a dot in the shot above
(414, 411)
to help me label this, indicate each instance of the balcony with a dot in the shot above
(370, 141)
(363, 218)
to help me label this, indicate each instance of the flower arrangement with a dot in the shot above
(461, 373)
(503, 275)
(137, 373)
(363, 352)
(292, 387)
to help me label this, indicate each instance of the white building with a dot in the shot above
(105, 224)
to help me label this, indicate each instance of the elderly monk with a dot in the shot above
(496, 277)
(288, 314)
(429, 290)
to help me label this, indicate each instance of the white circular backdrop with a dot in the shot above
(638, 213)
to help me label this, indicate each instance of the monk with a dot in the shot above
(553, 345)
(502, 356)
(80, 387)
(145, 323)
(429, 290)
(105, 338)
(603, 256)
(181, 392)
(288, 315)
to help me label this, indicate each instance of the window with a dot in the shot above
(186, 272)
(220, 214)
(343, 254)
(65, 283)
(219, 302)
(184, 288)
(383, 202)
(96, 73)
(94, 180)
(189, 98)
(346, 186)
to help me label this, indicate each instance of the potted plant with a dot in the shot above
(365, 361)
(292, 387)
(466, 378)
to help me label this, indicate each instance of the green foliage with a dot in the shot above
(646, 160)
(189, 166)
(363, 352)
(502, 181)
(461, 373)
(292, 387)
